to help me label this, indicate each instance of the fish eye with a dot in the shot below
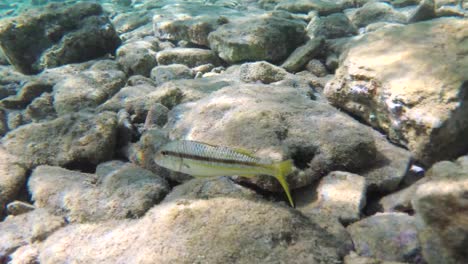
(164, 153)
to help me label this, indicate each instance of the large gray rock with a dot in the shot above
(300, 56)
(387, 236)
(441, 205)
(191, 57)
(61, 34)
(191, 22)
(323, 7)
(70, 139)
(340, 195)
(419, 105)
(218, 227)
(373, 12)
(117, 191)
(261, 71)
(277, 122)
(165, 73)
(332, 26)
(260, 38)
(26, 229)
(137, 58)
(12, 178)
(87, 89)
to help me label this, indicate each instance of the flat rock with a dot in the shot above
(75, 138)
(323, 7)
(27, 228)
(213, 229)
(87, 89)
(336, 25)
(62, 34)
(116, 192)
(441, 205)
(164, 73)
(373, 12)
(257, 38)
(261, 71)
(281, 122)
(417, 105)
(191, 57)
(137, 58)
(340, 195)
(191, 22)
(387, 236)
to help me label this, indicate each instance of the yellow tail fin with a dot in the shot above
(282, 169)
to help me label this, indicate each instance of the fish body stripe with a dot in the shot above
(210, 159)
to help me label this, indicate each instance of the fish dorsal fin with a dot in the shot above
(244, 152)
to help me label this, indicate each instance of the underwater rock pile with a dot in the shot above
(367, 98)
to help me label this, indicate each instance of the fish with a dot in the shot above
(205, 160)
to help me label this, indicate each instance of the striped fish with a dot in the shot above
(204, 160)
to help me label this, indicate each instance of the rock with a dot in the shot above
(340, 195)
(62, 34)
(272, 233)
(3, 58)
(27, 228)
(14, 119)
(27, 254)
(162, 74)
(261, 71)
(41, 108)
(424, 11)
(353, 258)
(137, 57)
(27, 94)
(317, 68)
(191, 22)
(323, 7)
(390, 166)
(190, 57)
(86, 90)
(282, 122)
(441, 205)
(18, 207)
(128, 21)
(156, 115)
(336, 25)
(139, 79)
(120, 99)
(372, 84)
(3, 122)
(12, 178)
(260, 38)
(296, 61)
(121, 191)
(404, 3)
(387, 236)
(79, 138)
(373, 12)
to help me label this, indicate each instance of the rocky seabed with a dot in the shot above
(368, 98)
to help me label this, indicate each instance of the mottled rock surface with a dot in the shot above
(387, 236)
(396, 82)
(27, 228)
(261, 38)
(164, 73)
(61, 34)
(281, 122)
(191, 57)
(341, 195)
(441, 204)
(117, 191)
(300, 56)
(261, 71)
(137, 58)
(220, 227)
(70, 139)
(12, 178)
